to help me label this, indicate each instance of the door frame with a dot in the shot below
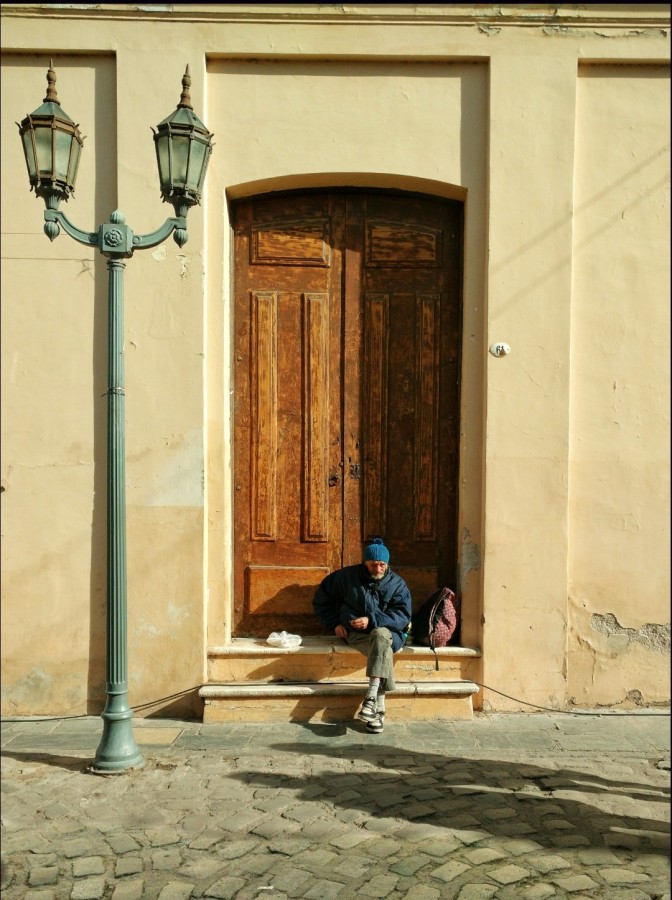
(388, 192)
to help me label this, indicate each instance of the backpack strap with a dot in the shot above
(432, 642)
(433, 649)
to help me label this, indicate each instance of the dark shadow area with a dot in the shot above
(332, 709)
(335, 729)
(188, 708)
(497, 798)
(548, 780)
(70, 763)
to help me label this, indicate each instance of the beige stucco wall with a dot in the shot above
(53, 431)
(551, 126)
(54, 359)
(619, 425)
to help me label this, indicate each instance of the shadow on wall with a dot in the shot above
(188, 706)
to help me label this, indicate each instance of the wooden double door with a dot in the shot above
(346, 395)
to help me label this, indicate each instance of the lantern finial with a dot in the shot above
(52, 96)
(185, 99)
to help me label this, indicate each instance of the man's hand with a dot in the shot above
(341, 631)
(360, 624)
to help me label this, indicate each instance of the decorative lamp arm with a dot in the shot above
(115, 239)
(54, 219)
(178, 224)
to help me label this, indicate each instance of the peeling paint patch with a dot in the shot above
(568, 31)
(41, 692)
(177, 614)
(470, 557)
(653, 637)
(147, 628)
(31, 690)
(176, 476)
(635, 698)
(563, 30)
(184, 264)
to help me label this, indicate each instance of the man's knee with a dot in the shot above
(381, 636)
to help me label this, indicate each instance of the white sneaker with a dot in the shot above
(375, 726)
(368, 711)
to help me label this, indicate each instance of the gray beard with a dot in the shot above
(379, 577)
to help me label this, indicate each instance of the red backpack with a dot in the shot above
(435, 622)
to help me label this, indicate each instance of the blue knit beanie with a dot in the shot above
(378, 551)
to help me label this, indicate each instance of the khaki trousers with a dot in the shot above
(377, 647)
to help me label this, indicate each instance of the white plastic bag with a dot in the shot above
(283, 639)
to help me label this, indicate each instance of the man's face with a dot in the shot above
(376, 569)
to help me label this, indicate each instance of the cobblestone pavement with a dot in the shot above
(506, 806)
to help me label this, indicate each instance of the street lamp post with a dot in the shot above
(52, 144)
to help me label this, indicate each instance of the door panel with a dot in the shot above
(346, 395)
(287, 408)
(410, 424)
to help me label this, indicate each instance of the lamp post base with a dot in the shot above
(117, 751)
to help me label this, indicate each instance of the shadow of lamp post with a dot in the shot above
(52, 144)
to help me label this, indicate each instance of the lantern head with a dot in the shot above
(51, 145)
(183, 148)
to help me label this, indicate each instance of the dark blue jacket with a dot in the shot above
(351, 592)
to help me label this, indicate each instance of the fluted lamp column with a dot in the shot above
(52, 143)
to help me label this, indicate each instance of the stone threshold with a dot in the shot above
(309, 689)
(327, 644)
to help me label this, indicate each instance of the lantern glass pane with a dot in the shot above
(180, 159)
(74, 161)
(62, 147)
(195, 165)
(43, 147)
(163, 159)
(30, 153)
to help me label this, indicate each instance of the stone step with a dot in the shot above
(333, 701)
(327, 659)
(249, 680)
